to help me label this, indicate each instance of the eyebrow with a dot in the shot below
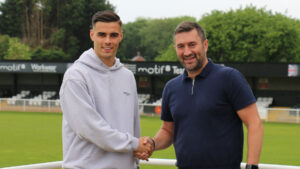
(111, 34)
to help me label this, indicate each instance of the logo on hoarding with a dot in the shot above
(13, 67)
(160, 70)
(43, 68)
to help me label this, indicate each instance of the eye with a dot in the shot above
(114, 35)
(101, 34)
(192, 44)
(180, 46)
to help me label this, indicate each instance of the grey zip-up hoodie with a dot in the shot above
(101, 123)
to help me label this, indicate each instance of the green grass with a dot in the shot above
(27, 138)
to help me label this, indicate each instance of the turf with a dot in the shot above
(28, 138)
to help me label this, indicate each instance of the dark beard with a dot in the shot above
(198, 66)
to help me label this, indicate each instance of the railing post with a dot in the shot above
(24, 105)
(48, 105)
(297, 119)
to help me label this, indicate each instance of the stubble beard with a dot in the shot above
(198, 65)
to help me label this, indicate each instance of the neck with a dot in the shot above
(108, 62)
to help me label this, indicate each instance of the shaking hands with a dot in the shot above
(145, 148)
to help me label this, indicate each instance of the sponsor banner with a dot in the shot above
(293, 70)
(153, 68)
(157, 68)
(33, 67)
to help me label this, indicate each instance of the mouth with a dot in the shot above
(189, 59)
(107, 49)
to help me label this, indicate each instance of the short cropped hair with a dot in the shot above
(105, 16)
(187, 26)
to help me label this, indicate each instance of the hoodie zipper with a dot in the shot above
(193, 83)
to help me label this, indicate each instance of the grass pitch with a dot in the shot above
(27, 138)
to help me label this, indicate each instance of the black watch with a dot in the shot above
(251, 166)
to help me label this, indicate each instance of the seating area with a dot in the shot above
(262, 104)
(143, 98)
(34, 98)
(264, 101)
(148, 99)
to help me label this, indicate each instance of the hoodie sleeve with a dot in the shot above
(81, 116)
(137, 130)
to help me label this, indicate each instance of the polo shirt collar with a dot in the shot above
(205, 72)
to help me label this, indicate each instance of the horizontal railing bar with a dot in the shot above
(152, 161)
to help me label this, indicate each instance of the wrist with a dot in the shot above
(153, 143)
(251, 166)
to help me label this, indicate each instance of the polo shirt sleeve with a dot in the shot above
(166, 113)
(238, 90)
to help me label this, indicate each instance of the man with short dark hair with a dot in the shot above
(204, 108)
(99, 102)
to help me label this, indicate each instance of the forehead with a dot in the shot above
(107, 27)
(186, 37)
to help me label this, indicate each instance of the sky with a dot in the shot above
(130, 10)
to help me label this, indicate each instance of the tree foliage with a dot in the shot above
(61, 28)
(149, 36)
(51, 23)
(167, 55)
(131, 42)
(158, 35)
(4, 45)
(11, 12)
(17, 50)
(55, 54)
(251, 35)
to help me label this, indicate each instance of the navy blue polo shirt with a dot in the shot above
(208, 134)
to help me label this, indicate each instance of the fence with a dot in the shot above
(286, 115)
(29, 105)
(152, 161)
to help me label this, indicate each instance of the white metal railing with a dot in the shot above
(27, 105)
(152, 161)
(287, 115)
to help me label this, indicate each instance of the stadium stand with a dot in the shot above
(264, 101)
(143, 98)
(35, 98)
(262, 104)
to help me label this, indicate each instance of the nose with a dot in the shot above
(107, 40)
(187, 51)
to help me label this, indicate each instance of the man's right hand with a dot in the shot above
(145, 148)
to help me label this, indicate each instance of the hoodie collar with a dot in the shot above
(91, 59)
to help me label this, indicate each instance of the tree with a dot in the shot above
(250, 34)
(158, 35)
(131, 42)
(17, 50)
(167, 55)
(11, 18)
(34, 21)
(4, 45)
(148, 36)
(75, 18)
(54, 54)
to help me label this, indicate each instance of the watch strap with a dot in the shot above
(251, 166)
